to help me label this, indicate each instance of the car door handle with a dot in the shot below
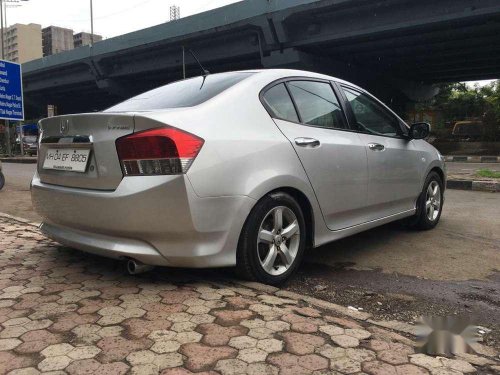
(376, 147)
(307, 142)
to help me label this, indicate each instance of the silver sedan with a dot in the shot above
(245, 169)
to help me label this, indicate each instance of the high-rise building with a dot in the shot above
(84, 39)
(23, 42)
(175, 12)
(56, 39)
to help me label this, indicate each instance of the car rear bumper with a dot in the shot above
(157, 220)
(108, 246)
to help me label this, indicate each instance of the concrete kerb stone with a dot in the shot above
(469, 183)
(459, 184)
(20, 219)
(491, 186)
(358, 315)
(19, 160)
(257, 286)
(393, 325)
(472, 159)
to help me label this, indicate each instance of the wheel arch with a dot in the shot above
(305, 206)
(435, 166)
(440, 172)
(307, 210)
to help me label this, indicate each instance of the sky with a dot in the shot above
(111, 17)
(482, 83)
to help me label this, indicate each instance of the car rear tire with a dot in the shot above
(272, 241)
(429, 204)
(2, 180)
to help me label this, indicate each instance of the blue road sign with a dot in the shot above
(11, 91)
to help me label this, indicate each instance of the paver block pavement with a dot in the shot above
(66, 312)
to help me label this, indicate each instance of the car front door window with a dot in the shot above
(370, 116)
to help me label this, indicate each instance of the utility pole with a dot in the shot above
(91, 23)
(7, 130)
(1, 16)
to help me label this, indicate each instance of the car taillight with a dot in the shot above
(161, 151)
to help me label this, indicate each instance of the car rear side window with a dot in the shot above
(280, 104)
(317, 104)
(186, 93)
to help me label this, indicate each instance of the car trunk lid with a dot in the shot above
(96, 132)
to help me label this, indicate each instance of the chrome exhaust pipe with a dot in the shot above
(134, 267)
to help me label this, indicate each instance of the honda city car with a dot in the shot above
(247, 169)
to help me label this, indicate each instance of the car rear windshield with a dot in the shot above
(186, 93)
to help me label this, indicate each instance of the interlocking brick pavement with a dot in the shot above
(63, 311)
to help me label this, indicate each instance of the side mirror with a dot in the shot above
(419, 130)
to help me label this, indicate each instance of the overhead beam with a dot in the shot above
(414, 16)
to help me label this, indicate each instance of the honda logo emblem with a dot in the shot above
(64, 127)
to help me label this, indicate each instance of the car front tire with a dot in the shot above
(273, 240)
(429, 204)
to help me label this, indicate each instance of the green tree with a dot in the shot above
(459, 101)
(491, 117)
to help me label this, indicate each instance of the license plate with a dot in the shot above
(66, 159)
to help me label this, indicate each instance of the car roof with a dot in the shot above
(285, 73)
(276, 74)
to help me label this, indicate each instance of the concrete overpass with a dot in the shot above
(395, 48)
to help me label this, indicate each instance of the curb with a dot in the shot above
(19, 160)
(472, 159)
(490, 186)
(20, 219)
(402, 328)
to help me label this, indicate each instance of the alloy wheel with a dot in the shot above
(278, 241)
(433, 201)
